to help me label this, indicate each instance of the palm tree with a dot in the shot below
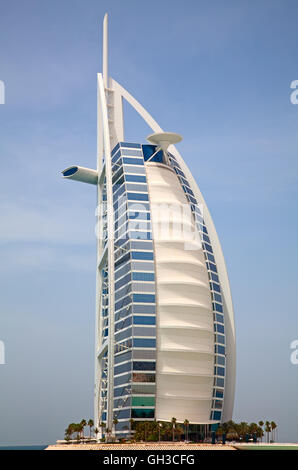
(71, 428)
(219, 431)
(115, 422)
(253, 430)
(90, 424)
(96, 431)
(173, 421)
(186, 424)
(261, 424)
(83, 423)
(145, 431)
(79, 429)
(267, 429)
(159, 429)
(67, 434)
(108, 432)
(102, 426)
(131, 423)
(273, 427)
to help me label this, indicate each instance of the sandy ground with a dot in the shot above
(140, 446)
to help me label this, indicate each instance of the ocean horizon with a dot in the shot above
(40, 447)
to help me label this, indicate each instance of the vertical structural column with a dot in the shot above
(97, 371)
(110, 242)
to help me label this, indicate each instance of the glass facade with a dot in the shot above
(135, 335)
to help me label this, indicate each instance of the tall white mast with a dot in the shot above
(105, 51)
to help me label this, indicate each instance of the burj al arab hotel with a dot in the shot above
(164, 331)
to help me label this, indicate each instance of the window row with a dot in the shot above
(135, 320)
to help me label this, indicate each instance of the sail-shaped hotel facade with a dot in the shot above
(164, 331)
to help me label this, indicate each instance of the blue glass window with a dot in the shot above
(137, 196)
(129, 145)
(219, 382)
(123, 379)
(214, 277)
(216, 415)
(123, 281)
(142, 413)
(140, 235)
(123, 324)
(132, 153)
(116, 155)
(139, 215)
(123, 302)
(210, 257)
(141, 245)
(122, 368)
(123, 357)
(115, 148)
(139, 276)
(144, 298)
(123, 413)
(220, 349)
(217, 307)
(141, 320)
(220, 339)
(141, 255)
(208, 247)
(137, 187)
(136, 178)
(133, 161)
(215, 286)
(118, 392)
(149, 150)
(144, 343)
(143, 308)
(123, 335)
(138, 206)
(217, 297)
(220, 371)
(212, 267)
(123, 291)
(143, 365)
(120, 402)
(220, 360)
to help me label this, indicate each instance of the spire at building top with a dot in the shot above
(105, 51)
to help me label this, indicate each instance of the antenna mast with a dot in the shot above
(105, 51)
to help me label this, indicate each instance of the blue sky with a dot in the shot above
(219, 73)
